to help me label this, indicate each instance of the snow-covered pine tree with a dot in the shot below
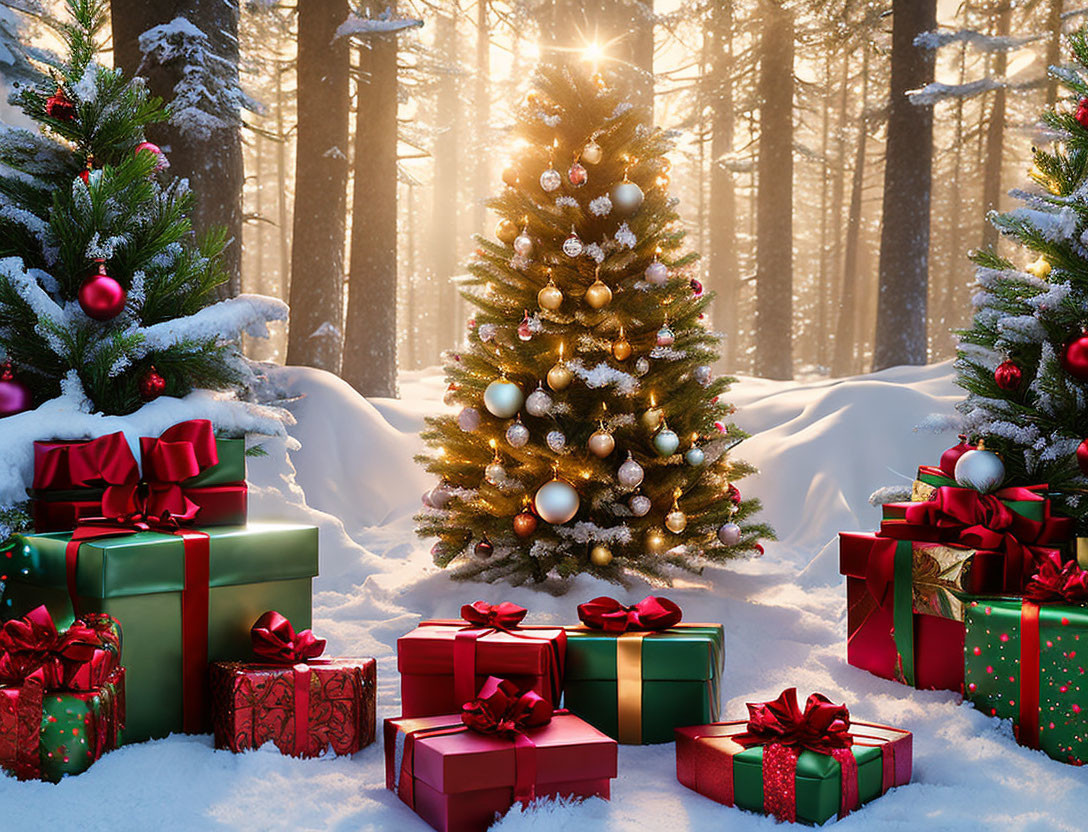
(591, 436)
(101, 278)
(1024, 361)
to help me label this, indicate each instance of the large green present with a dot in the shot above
(638, 685)
(182, 599)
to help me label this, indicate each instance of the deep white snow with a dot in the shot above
(823, 448)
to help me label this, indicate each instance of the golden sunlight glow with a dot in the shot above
(593, 52)
(532, 50)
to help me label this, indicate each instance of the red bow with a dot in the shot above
(608, 614)
(503, 708)
(823, 727)
(275, 640)
(106, 462)
(179, 453)
(33, 644)
(504, 616)
(1057, 581)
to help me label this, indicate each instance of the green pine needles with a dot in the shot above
(631, 361)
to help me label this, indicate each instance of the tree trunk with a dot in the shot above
(444, 225)
(823, 279)
(213, 166)
(321, 173)
(838, 198)
(995, 135)
(284, 248)
(370, 331)
(482, 118)
(904, 236)
(774, 228)
(1053, 47)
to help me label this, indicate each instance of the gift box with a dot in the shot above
(183, 598)
(459, 771)
(442, 664)
(291, 697)
(636, 673)
(62, 695)
(799, 766)
(1021, 660)
(186, 471)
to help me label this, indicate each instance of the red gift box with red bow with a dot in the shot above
(291, 697)
(442, 664)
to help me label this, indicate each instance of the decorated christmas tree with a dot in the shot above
(591, 433)
(1024, 361)
(104, 288)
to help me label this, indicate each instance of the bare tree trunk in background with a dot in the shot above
(951, 305)
(213, 166)
(370, 330)
(321, 174)
(838, 188)
(413, 282)
(282, 218)
(444, 225)
(995, 134)
(774, 230)
(1053, 47)
(904, 237)
(842, 360)
(482, 118)
(823, 275)
(724, 269)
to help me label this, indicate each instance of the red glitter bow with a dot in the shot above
(504, 616)
(608, 614)
(1057, 581)
(32, 644)
(275, 640)
(503, 708)
(823, 727)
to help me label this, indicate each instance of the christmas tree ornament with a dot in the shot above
(1082, 457)
(653, 417)
(577, 175)
(592, 153)
(494, 473)
(640, 505)
(550, 180)
(503, 398)
(572, 246)
(426, 500)
(1075, 357)
(525, 523)
(486, 332)
(665, 336)
(60, 107)
(657, 273)
(732, 494)
(655, 541)
(440, 496)
(523, 244)
(600, 555)
(506, 232)
(525, 329)
(1039, 268)
(950, 457)
(483, 549)
(468, 419)
(666, 441)
(642, 366)
(598, 295)
(161, 162)
(981, 470)
(559, 376)
(696, 287)
(556, 440)
(100, 296)
(694, 456)
(630, 473)
(621, 347)
(676, 521)
(729, 533)
(15, 397)
(1008, 376)
(517, 435)
(627, 198)
(702, 374)
(539, 403)
(85, 174)
(556, 501)
(601, 443)
(550, 297)
(510, 176)
(152, 385)
(1082, 113)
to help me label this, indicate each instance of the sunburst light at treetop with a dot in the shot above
(590, 434)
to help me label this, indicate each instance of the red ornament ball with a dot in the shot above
(1082, 457)
(1008, 376)
(483, 549)
(60, 106)
(15, 397)
(161, 162)
(152, 385)
(696, 286)
(1082, 113)
(525, 523)
(1075, 357)
(950, 457)
(732, 494)
(101, 297)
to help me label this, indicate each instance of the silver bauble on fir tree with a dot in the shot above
(517, 435)
(640, 505)
(468, 419)
(729, 534)
(981, 470)
(556, 501)
(538, 403)
(503, 398)
(666, 442)
(630, 473)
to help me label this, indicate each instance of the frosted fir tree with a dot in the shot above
(1024, 361)
(591, 434)
(103, 284)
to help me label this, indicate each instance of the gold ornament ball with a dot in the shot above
(1039, 268)
(601, 443)
(524, 524)
(592, 153)
(506, 231)
(559, 377)
(655, 541)
(621, 349)
(676, 521)
(600, 555)
(598, 295)
(651, 419)
(550, 297)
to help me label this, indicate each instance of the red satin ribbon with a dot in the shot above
(483, 619)
(102, 462)
(63, 661)
(651, 613)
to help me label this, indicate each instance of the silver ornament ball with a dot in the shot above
(556, 501)
(556, 440)
(702, 374)
(630, 474)
(640, 505)
(572, 246)
(468, 419)
(729, 534)
(981, 470)
(523, 244)
(550, 180)
(440, 496)
(517, 435)
(539, 403)
(695, 457)
(666, 442)
(486, 332)
(642, 366)
(627, 198)
(503, 398)
(657, 273)
(495, 474)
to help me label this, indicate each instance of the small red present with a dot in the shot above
(303, 704)
(443, 663)
(506, 746)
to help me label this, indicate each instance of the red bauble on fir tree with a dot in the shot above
(15, 397)
(1082, 457)
(101, 297)
(1008, 376)
(152, 385)
(60, 106)
(1082, 113)
(161, 162)
(950, 457)
(1075, 357)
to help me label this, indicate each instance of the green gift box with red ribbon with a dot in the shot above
(1025, 660)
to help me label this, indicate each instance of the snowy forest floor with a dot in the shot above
(822, 448)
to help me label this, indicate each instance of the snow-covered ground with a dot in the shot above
(822, 447)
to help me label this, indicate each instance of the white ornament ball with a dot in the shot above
(702, 374)
(642, 366)
(572, 246)
(556, 440)
(665, 337)
(523, 244)
(503, 398)
(556, 502)
(495, 474)
(640, 505)
(666, 442)
(630, 474)
(627, 198)
(550, 180)
(729, 534)
(486, 332)
(426, 499)
(440, 496)
(695, 457)
(468, 419)
(657, 273)
(592, 153)
(981, 470)
(539, 403)
(517, 435)
(676, 521)
(601, 443)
